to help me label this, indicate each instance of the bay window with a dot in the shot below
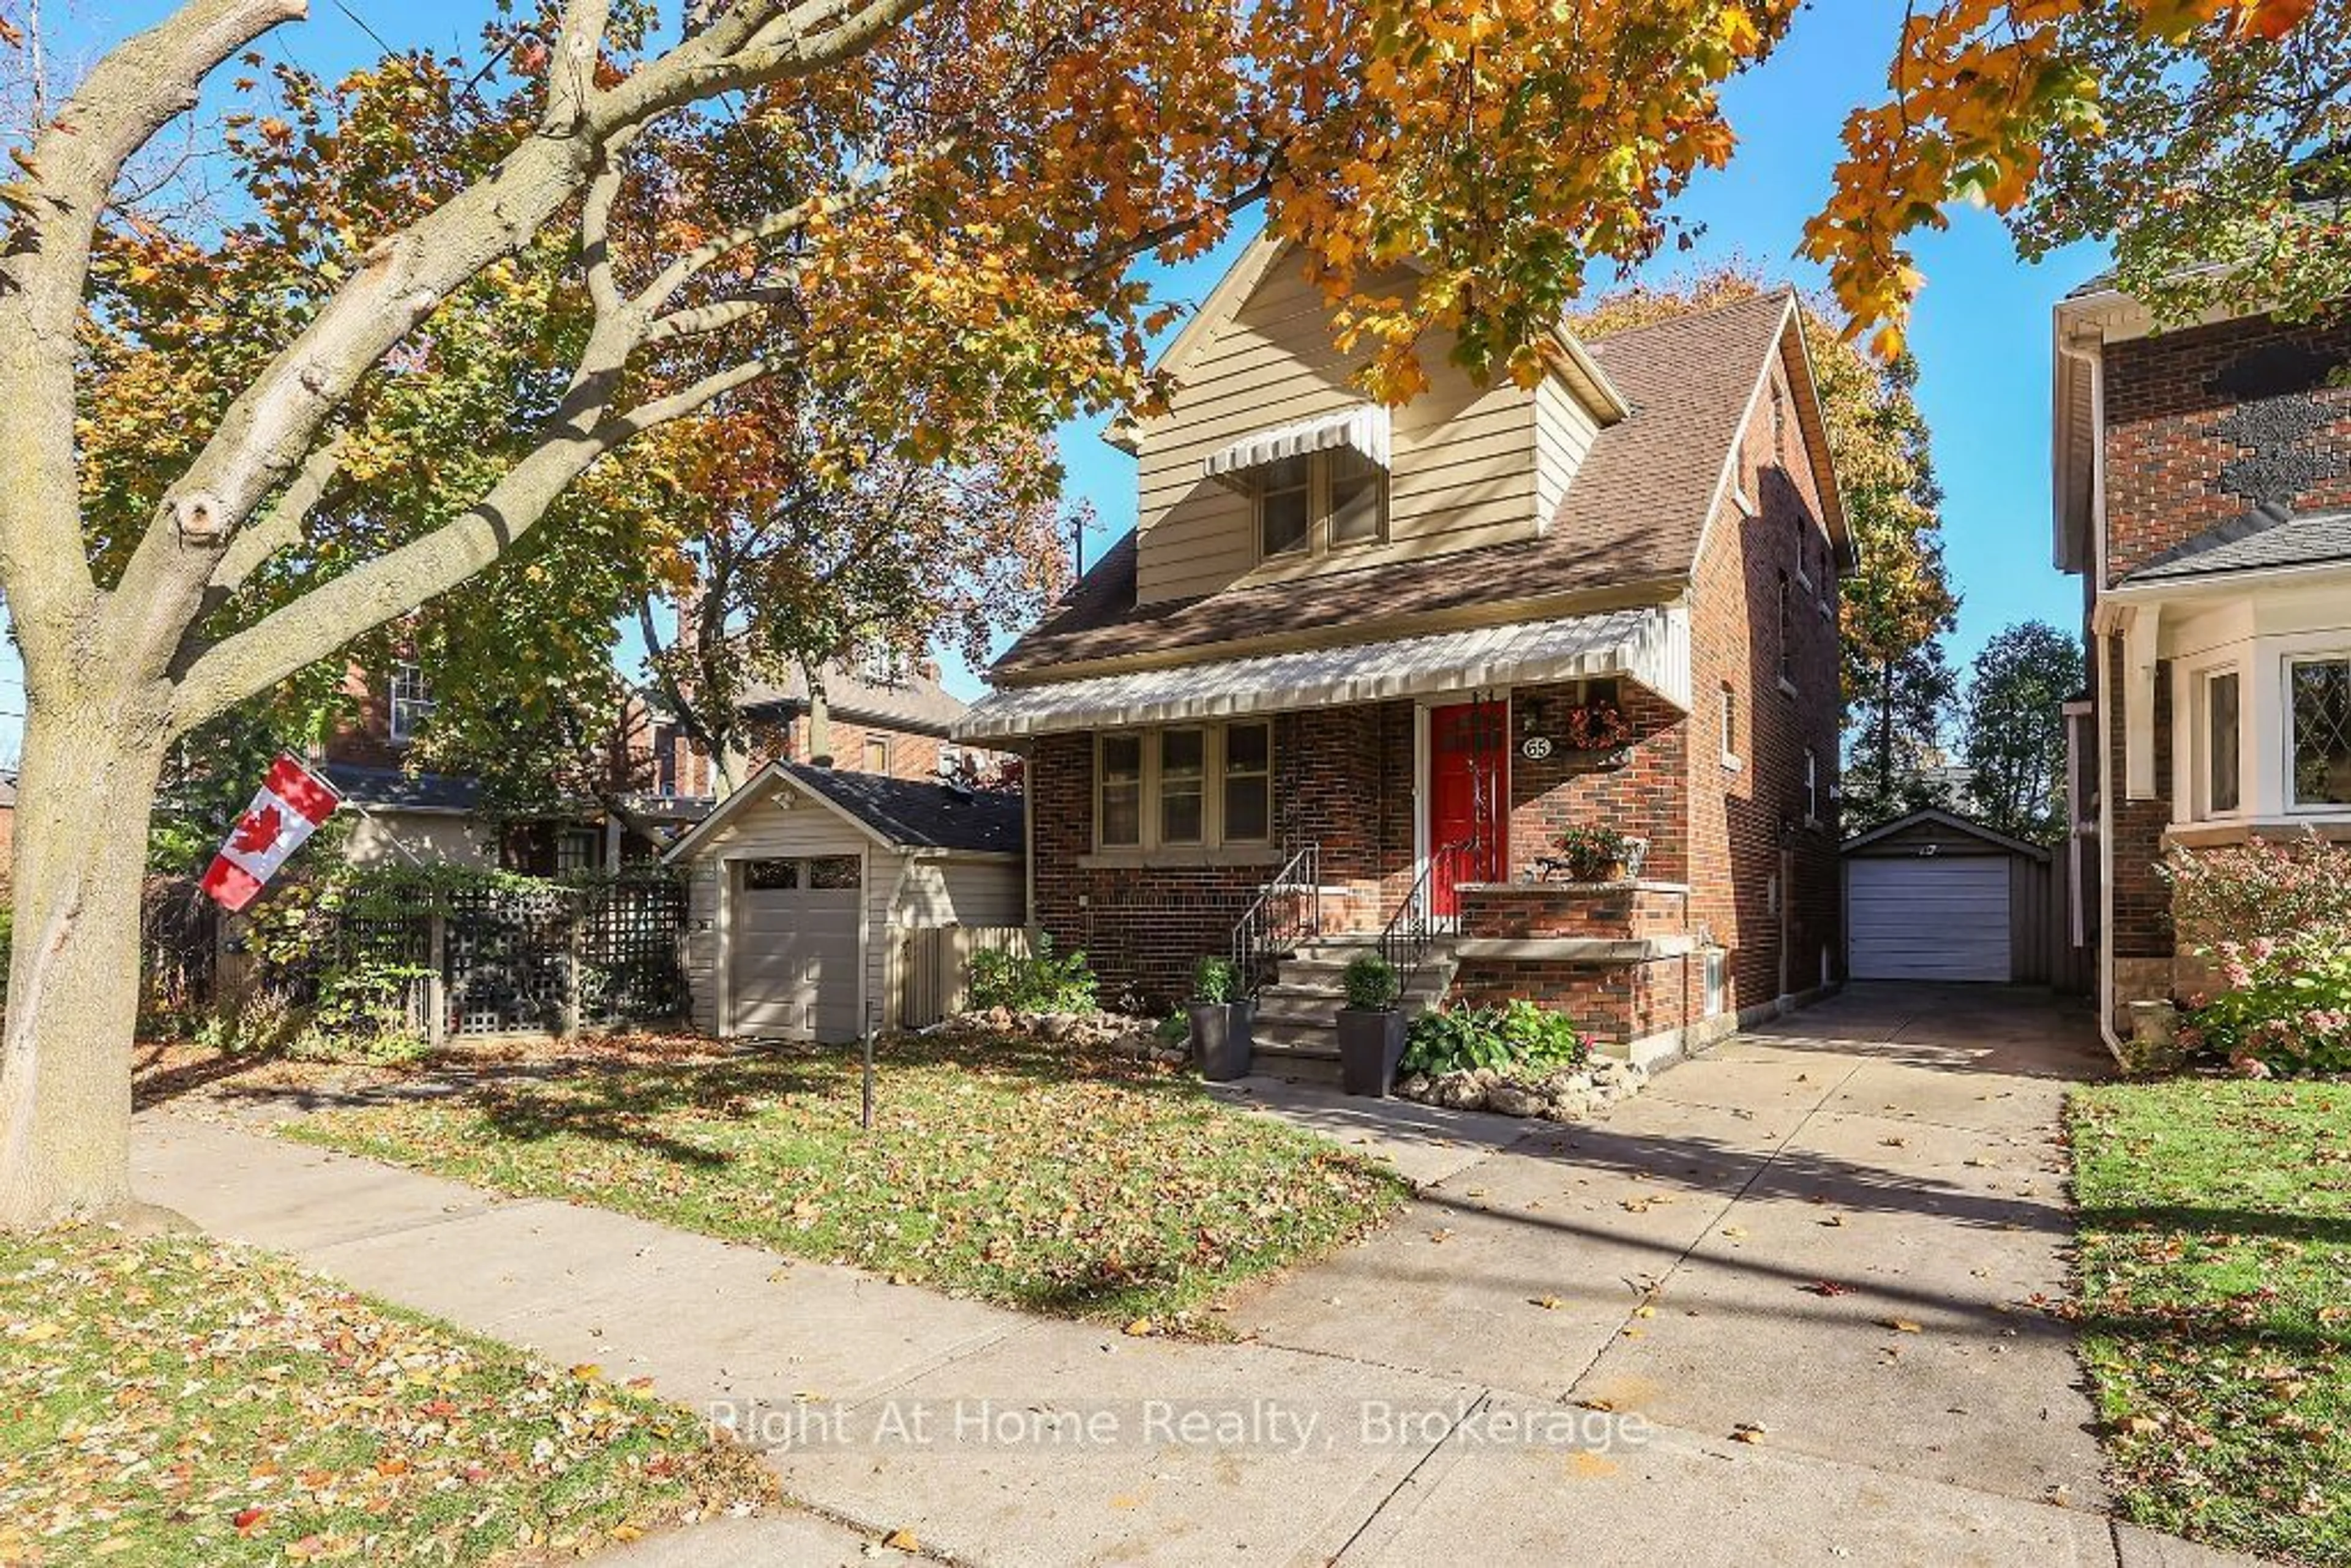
(2318, 724)
(1208, 786)
(2223, 740)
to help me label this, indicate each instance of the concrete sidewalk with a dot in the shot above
(1827, 1230)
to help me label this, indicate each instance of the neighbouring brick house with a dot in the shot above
(2203, 492)
(894, 722)
(1363, 652)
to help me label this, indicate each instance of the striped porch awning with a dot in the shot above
(1650, 646)
(1364, 429)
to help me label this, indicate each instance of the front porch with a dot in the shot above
(1432, 822)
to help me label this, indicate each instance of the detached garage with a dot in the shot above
(802, 884)
(1934, 896)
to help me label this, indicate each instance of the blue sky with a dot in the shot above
(1981, 333)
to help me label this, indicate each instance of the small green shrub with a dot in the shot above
(1216, 980)
(1173, 1030)
(1516, 1035)
(1037, 982)
(1371, 983)
(2287, 1006)
(363, 1016)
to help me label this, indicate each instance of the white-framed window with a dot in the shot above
(877, 754)
(1812, 787)
(411, 704)
(2217, 748)
(1730, 727)
(1118, 790)
(2318, 732)
(1184, 787)
(1320, 502)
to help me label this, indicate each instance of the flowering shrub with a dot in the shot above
(2287, 1008)
(2257, 889)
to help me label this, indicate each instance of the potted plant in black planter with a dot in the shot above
(1221, 1020)
(1370, 1029)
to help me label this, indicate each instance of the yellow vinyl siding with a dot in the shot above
(1469, 466)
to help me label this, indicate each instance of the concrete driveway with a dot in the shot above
(1784, 1299)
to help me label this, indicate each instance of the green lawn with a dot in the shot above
(1006, 1169)
(178, 1402)
(2216, 1305)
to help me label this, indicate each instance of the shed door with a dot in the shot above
(1942, 917)
(793, 948)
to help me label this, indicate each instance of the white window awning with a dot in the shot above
(1649, 646)
(1364, 428)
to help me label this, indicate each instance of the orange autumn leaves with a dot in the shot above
(1980, 88)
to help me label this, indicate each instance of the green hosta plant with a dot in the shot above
(1517, 1035)
(1371, 984)
(1038, 982)
(2287, 1006)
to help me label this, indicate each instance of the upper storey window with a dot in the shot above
(1315, 487)
(1326, 501)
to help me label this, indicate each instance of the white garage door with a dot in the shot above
(793, 950)
(1944, 918)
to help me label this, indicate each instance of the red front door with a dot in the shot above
(1468, 798)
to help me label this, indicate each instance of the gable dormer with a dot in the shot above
(1270, 463)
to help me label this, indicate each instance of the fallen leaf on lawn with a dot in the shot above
(587, 1370)
(1140, 1328)
(249, 1522)
(901, 1541)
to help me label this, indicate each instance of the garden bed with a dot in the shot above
(175, 1401)
(1055, 1176)
(2215, 1306)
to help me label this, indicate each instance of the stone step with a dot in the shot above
(1305, 1065)
(1283, 1004)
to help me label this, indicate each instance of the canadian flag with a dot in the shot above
(293, 801)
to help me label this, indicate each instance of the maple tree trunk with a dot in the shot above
(85, 789)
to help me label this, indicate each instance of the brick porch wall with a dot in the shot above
(1619, 1003)
(1616, 912)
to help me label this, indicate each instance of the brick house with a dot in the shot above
(2203, 493)
(1389, 656)
(894, 722)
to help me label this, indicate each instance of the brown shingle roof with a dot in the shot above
(914, 702)
(1633, 516)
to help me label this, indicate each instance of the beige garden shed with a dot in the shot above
(806, 886)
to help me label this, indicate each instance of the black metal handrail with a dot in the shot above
(1413, 929)
(1273, 922)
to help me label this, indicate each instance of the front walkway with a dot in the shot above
(1798, 1272)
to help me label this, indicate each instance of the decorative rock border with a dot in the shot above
(1122, 1033)
(1560, 1094)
